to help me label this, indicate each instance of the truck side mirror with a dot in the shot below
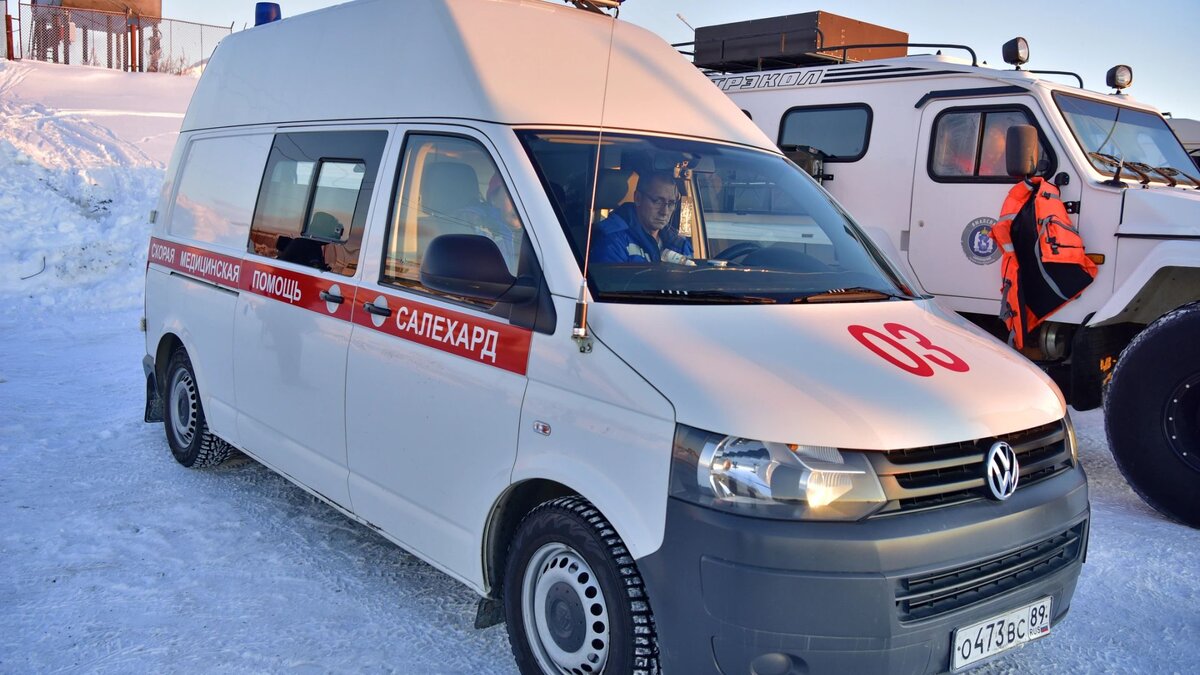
(1021, 151)
(471, 266)
(808, 158)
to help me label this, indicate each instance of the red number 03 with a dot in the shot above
(894, 347)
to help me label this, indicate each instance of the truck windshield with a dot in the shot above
(1136, 142)
(683, 221)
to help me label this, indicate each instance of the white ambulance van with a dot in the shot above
(914, 147)
(366, 271)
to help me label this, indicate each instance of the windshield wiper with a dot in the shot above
(682, 296)
(1170, 172)
(1120, 165)
(1143, 170)
(852, 294)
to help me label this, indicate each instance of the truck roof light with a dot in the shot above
(266, 12)
(1015, 51)
(1119, 77)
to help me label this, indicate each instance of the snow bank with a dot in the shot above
(78, 179)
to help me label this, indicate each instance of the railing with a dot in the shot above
(113, 40)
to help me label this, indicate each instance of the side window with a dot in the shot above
(312, 205)
(447, 185)
(215, 200)
(841, 132)
(969, 144)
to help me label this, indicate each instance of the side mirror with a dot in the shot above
(808, 158)
(1021, 151)
(471, 266)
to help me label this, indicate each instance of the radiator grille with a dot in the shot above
(918, 479)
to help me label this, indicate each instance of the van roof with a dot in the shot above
(505, 61)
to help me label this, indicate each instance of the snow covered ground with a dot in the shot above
(113, 558)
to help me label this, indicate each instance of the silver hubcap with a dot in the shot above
(182, 404)
(566, 616)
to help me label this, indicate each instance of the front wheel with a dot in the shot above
(1152, 412)
(574, 601)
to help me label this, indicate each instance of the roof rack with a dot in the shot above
(924, 45)
(818, 56)
(1059, 72)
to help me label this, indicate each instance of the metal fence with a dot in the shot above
(112, 40)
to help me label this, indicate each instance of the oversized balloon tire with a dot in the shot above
(1152, 411)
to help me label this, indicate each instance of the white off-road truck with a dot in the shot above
(914, 148)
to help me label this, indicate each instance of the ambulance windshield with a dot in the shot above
(1137, 142)
(683, 221)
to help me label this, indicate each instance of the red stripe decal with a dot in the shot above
(299, 289)
(219, 269)
(489, 342)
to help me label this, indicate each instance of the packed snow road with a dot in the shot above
(117, 559)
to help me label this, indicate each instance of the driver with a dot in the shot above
(637, 232)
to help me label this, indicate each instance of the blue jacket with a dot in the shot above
(623, 239)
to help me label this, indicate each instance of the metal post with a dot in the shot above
(8, 33)
(132, 33)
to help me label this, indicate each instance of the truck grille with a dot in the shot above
(918, 479)
(929, 595)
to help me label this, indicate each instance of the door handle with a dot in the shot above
(330, 297)
(372, 308)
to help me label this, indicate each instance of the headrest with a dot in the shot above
(447, 187)
(612, 188)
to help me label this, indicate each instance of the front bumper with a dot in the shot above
(733, 594)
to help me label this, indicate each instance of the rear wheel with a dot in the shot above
(192, 444)
(1152, 411)
(574, 601)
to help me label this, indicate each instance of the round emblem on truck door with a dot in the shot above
(1001, 471)
(977, 243)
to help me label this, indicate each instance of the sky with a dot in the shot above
(1157, 40)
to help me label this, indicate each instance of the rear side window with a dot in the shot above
(448, 185)
(840, 132)
(969, 144)
(217, 189)
(315, 193)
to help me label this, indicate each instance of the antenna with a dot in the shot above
(685, 21)
(579, 331)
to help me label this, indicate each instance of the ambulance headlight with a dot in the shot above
(773, 480)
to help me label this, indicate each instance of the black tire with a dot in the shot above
(1152, 412)
(568, 560)
(192, 444)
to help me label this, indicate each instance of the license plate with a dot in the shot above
(1000, 633)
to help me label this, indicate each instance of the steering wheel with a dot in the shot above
(738, 250)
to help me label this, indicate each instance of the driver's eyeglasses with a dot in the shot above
(659, 202)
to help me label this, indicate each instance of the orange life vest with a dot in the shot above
(1043, 264)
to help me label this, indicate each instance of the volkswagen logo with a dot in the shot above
(1001, 470)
